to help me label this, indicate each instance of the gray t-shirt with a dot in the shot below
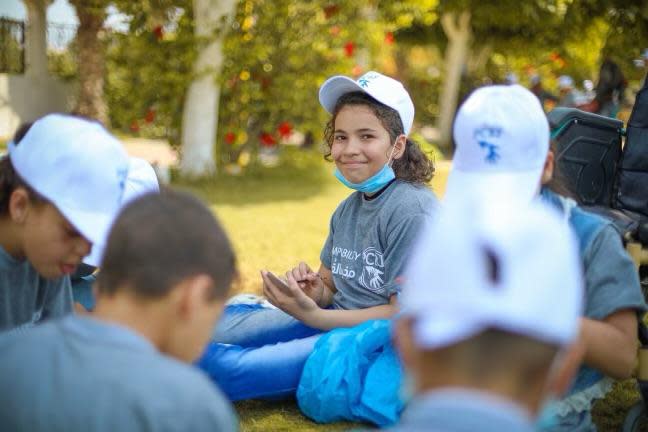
(369, 242)
(81, 374)
(26, 298)
(453, 409)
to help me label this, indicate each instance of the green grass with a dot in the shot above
(278, 216)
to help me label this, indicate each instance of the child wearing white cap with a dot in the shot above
(260, 351)
(141, 180)
(502, 139)
(482, 333)
(125, 367)
(60, 189)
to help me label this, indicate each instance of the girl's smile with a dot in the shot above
(361, 144)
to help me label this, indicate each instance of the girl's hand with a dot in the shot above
(289, 298)
(311, 283)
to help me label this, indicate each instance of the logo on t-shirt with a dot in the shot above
(372, 269)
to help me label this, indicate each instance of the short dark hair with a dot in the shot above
(499, 352)
(10, 180)
(159, 240)
(413, 166)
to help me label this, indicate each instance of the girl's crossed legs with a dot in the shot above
(258, 352)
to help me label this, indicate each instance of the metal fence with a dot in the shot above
(60, 36)
(12, 46)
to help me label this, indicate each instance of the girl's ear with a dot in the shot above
(19, 204)
(400, 146)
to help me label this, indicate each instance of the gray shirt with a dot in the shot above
(81, 374)
(369, 242)
(26, 298)
(463, 410)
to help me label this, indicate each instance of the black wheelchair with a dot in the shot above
(606, 167)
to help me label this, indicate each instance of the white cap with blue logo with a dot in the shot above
(78, 166)
(140, 181)
(501, 135)
(384, 89)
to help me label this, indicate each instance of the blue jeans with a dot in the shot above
(258, 352)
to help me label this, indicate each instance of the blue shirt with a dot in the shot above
(463, 410)
(26, 298)
(611, 285)
(81, 374)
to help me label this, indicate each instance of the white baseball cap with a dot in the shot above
(384, 89)
(491, 264)
(502, 140)
(141, 180)
(76, 165)
(565, 82)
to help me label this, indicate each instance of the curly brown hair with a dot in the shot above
(414, 166)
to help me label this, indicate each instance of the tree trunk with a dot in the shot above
(36, 50)
(200, 114)
(91, 103)
(457, 29)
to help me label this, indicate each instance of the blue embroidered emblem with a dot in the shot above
(485, 136)
(364, 79)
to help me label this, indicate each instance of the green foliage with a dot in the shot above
(63, 64)
(149, 69)
(277, 54)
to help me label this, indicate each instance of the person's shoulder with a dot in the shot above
(30, 338)
(589, 226)
(353, 200)
(188, 391)
(411, 198)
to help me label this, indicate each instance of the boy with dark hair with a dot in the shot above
(490, 317)
(156, 307)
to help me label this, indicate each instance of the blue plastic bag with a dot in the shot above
(353, 374)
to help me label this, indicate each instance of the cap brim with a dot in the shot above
(94, 226)
(522, 186)
(442, 328)
(96, 255)
(333, 88)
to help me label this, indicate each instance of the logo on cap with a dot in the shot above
(485, 136)
(364, 79)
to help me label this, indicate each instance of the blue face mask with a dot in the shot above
(547, 417)
(373, 183)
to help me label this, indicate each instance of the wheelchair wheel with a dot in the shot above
(637, 418)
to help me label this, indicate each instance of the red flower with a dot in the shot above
(134, 126)
(230, 137)
(158, 31)
(349, 47)
(265, 83)
(553, 56)
(150, 116)
(389, 38)
(285, 129)
(356, 71)
(335, 30)
(330, 10)
(267, 140)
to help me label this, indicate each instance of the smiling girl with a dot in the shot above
(260, 351)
